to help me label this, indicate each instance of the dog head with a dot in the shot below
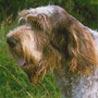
(50, 38)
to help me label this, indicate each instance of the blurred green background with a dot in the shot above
(85, 10)
(14, 82)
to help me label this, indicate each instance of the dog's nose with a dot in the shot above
(11, 42)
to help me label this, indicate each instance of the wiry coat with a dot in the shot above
(51, 39)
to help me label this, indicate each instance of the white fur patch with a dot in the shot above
(30, 46)
(49, 10)
(94, 34)
(37, 55)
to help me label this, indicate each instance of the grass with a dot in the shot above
(14, 82)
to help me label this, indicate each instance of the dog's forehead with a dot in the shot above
(19, 30)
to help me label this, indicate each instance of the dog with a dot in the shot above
(50, 39)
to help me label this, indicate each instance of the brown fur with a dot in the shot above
(65, 44)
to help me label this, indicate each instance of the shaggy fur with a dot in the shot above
(49, 38)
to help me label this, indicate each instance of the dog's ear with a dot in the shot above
(39, 21)
(81, 50)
